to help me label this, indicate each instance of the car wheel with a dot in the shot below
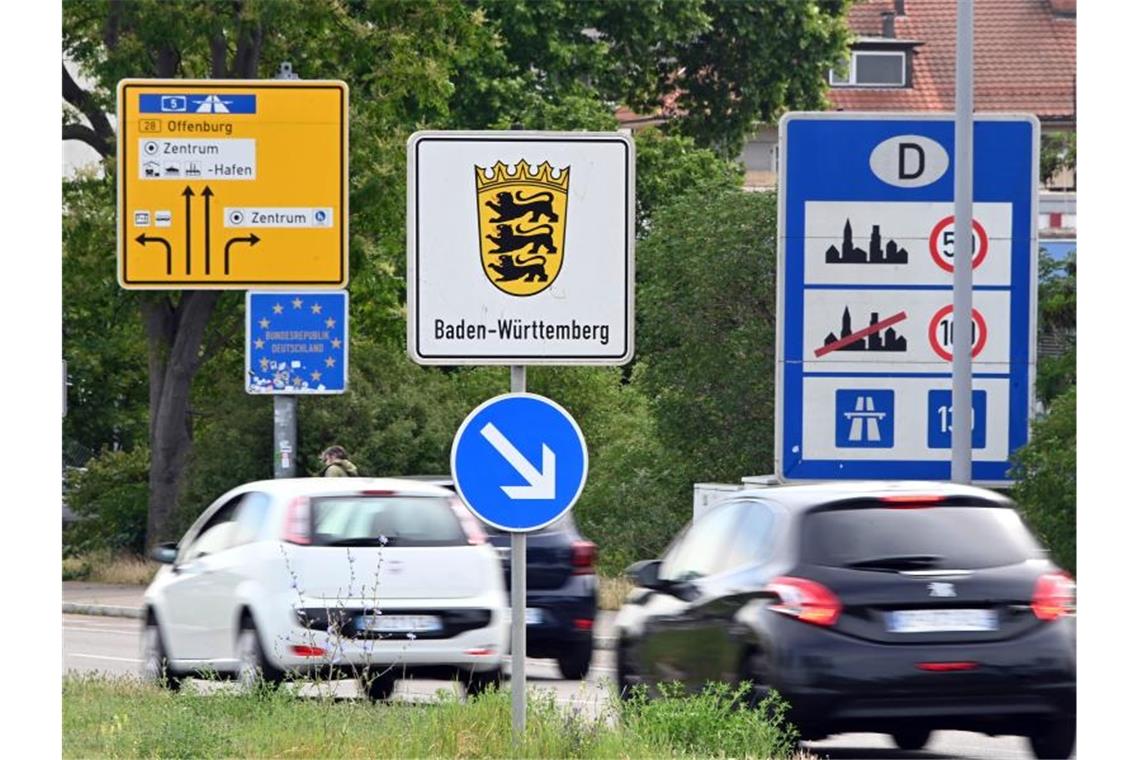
(625, 675)
(574, 664)
(757, 672)
(253, 668)
(155, 666)
(481, 683)
(380, 686)
(1055, 738)
(912, 738)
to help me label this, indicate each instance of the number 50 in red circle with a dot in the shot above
(944, 259)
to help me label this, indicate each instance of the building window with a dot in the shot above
(871, 69)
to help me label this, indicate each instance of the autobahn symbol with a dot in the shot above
(864, 418)
(942, 243)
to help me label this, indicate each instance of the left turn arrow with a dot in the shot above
(143, 240)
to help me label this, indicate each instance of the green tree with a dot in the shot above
(1057, 317)
(706, 331)
(1046, 473)
(1058, 153)
(397, 57)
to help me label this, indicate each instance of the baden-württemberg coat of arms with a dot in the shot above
(522, 224)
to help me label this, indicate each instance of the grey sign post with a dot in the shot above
(962, 338)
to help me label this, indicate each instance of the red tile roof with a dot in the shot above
(1025, 57)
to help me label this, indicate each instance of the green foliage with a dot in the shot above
(668, 166)
(125, 718)
(706, 331)
(1057, 317)
(461, 64)
(103, 342)
(109, 498)
(1058, 153)
(1046, 471)
(754, 60)
(715, 722)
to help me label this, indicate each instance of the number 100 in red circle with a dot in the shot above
(941, 332)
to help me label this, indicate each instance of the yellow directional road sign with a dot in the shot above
(232, 183)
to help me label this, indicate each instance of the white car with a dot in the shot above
(367, 578)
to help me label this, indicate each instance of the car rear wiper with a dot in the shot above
(897, 562)
(363, 541)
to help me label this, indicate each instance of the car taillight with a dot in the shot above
(471, 527)
(297, 522)
(582, 556)
(805, 600)
(1054, 596)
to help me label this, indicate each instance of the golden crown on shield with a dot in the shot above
(504, 174)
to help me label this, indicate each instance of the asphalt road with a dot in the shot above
(111, 646)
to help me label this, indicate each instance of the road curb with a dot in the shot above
(111, 610)
(106, 610)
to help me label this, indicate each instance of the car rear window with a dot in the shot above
(385, 520)
(564, 524)
(957, 537)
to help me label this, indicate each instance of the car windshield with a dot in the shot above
(917, 539)
(385, 520)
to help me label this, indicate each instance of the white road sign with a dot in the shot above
(520, 247)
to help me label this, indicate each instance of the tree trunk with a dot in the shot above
(174, 340)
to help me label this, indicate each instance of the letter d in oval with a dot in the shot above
(909, 161)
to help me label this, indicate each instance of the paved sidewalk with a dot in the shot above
(113, 600)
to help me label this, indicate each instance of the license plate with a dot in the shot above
(399, 623)
(533, 615)
(941, 621)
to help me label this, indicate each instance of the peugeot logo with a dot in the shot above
(941, 589)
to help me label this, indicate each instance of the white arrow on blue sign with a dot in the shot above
(519, 462)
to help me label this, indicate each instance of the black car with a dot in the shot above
(561, 588)
(561, 593)
(894, 608)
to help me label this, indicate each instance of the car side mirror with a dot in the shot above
(165, 553)
(646, 574)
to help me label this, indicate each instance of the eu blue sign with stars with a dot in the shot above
(519, 461)
(296, 342)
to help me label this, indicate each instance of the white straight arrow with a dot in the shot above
(541, 484)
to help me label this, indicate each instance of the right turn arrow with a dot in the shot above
(541, 484)
(252, 240)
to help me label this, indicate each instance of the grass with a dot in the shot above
(612, 591)
(125, 718)
(107, 567)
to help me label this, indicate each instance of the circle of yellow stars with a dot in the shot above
(297, 303)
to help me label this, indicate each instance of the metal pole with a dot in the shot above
(961, 401)
(284, 407)
(518, 606)
(284, 434)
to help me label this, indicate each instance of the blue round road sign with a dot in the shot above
(519, 461)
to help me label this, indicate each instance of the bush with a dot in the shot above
(1046, 471)
(109, 498)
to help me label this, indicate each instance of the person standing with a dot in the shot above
(336, 465)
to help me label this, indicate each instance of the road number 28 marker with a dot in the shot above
(941, 332)
(942, 243)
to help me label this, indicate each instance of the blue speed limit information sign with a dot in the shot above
(866, 278)
(519, 461)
